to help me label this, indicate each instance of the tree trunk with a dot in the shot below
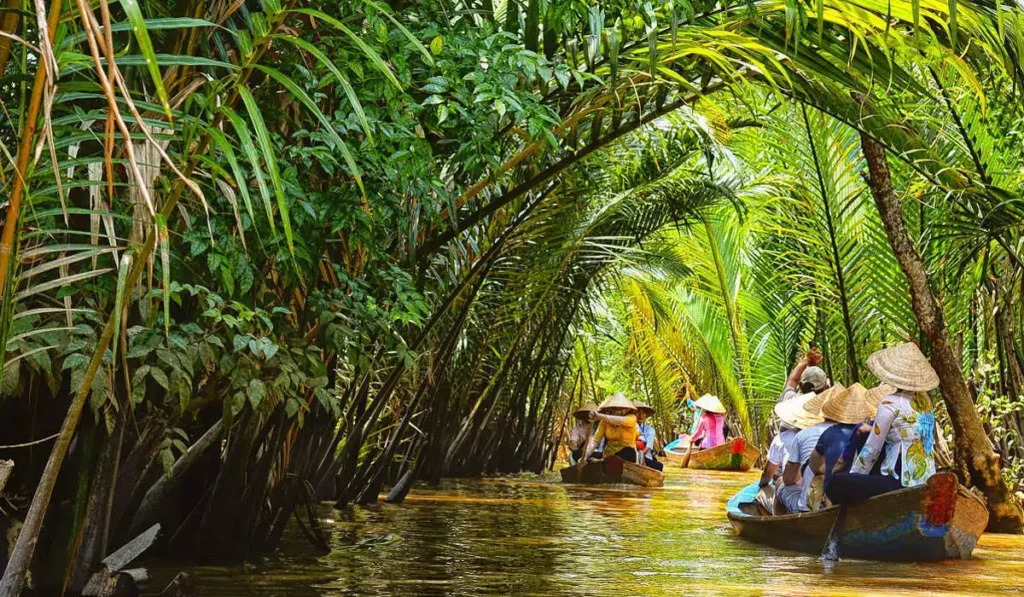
(977, 462)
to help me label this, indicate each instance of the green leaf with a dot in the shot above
(240, 179)
(167, 461)
(165, 267)
(369, 52)
(245, 138)
(328, 126)
(408, 34)
(263, 136)
(350, 93)
(119, 300)
(138, 22)
(160, 377)
(257, 391)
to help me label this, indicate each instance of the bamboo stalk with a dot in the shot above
(25, 150)
(8, 24)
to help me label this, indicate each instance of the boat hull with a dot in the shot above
(597, 473)
(733, 455)
(939, 520)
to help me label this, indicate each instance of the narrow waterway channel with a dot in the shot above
(529, 535)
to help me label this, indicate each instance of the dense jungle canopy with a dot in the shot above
(259, 253)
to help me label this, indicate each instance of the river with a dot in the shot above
(530, 535)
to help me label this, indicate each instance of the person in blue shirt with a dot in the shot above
(849, 409)
(645, 442)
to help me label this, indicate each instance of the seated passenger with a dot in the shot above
(645, 443)
(796, 479)
(904, 428)
(581, 433)
(710, 430)
(806, 377)
(617, 428)
(849, 409)
(793, 419)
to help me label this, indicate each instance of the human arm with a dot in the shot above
(648, 436)
(618, 421)
(577, 437)
(595, 440)
(699, 433)
(865, 460)
(768, 474)
(813, 357)
(816, 464)
(791, 474)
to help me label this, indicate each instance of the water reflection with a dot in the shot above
(531, 535)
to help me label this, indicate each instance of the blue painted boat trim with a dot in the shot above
(743, 496)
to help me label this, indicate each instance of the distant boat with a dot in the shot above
(613, 470)
(940, 520)
(734, 455)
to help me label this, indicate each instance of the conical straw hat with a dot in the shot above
(904, 367)
(710, 403)
(874, 395)
(587, 408)
(644, 406)
(813, 406)
(617, 401)
(848, 406)
(792, 412)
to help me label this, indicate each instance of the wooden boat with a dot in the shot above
(613, 470)
(735, 455)
(674, 457)
(940, 520)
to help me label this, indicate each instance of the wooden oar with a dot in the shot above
(830, 551)
(686, 457)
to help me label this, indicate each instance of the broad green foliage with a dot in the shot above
(472, 214)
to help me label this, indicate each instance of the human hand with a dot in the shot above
(813, 357)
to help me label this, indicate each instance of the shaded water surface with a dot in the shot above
(530, 535)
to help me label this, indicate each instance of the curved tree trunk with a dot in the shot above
(977, 463)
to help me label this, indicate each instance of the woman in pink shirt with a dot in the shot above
(710, 431)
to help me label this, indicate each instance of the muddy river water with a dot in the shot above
(530, 535)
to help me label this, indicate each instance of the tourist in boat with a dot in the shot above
(581, 432)
(647, 437)
(710, 431)
(848, 410)
(873, 397)
(796, 479)
(616, 428)
(793, 418)
(903, 429)
(805, 377)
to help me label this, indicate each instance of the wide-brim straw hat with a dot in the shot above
(617, 401)
(849, 406)
(792, 413)
(587, 408)
(813, 406)
(874, 395)
(905, 367)
(644, 406)
(710, 403)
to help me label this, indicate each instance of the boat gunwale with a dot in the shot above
(743, 516)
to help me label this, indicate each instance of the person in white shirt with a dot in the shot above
(645, 442)
(581, 433)
(796, 478)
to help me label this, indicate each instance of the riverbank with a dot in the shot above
(529, 535)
